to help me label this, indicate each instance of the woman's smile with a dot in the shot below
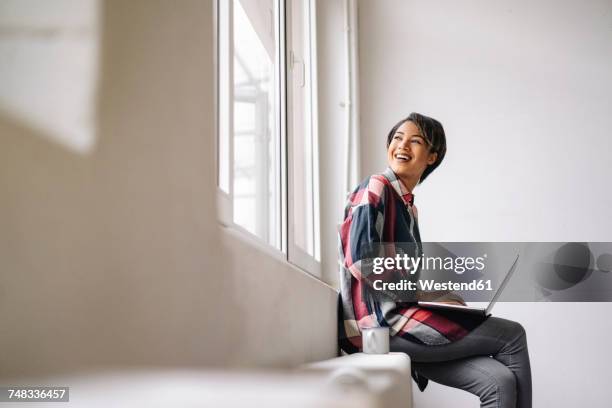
(402, 157)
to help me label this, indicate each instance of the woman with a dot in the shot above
(487, 357)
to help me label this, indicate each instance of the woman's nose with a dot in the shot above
(404, 144)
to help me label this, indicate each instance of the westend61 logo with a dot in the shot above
(412, 264)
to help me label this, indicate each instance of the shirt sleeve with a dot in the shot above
(368, 240)
(363, 227)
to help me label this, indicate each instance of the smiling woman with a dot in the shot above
(451, 348)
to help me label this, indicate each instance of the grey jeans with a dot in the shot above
(492, 362)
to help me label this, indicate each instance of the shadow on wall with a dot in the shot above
(111, 257)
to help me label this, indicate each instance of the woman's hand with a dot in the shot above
(442, 297)
(453, 299)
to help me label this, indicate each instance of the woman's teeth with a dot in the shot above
(402, 157)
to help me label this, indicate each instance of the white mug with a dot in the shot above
(375, 340)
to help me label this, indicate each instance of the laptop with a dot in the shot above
(471, 309)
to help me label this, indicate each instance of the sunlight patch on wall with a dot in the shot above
(49, 52)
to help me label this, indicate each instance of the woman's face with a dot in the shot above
(408, 154)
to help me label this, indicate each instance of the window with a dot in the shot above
(266, 123)
(302, 135)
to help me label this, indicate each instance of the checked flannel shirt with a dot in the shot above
(381, 210)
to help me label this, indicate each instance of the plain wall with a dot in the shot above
(115, 257)
(524, 93)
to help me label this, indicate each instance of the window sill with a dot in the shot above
(246, 237)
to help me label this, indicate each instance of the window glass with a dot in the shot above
(255, 139)
(302, 132)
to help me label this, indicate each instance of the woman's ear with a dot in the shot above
(432, 158)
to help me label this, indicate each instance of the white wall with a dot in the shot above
(115, 257)
(524, 92)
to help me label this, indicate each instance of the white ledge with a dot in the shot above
(387, 377)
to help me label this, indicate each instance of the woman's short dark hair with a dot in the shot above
(432, 131)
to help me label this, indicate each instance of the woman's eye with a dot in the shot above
(397, 137)
(417, 141)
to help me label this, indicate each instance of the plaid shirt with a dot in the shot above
(381, 210)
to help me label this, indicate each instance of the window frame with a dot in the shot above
(297, 255)
(224, 199)
(288, 251)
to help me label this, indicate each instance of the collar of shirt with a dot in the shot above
(399, 187)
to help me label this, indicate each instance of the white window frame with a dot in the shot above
(297, 255)
(288, 250)
(225, 203)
